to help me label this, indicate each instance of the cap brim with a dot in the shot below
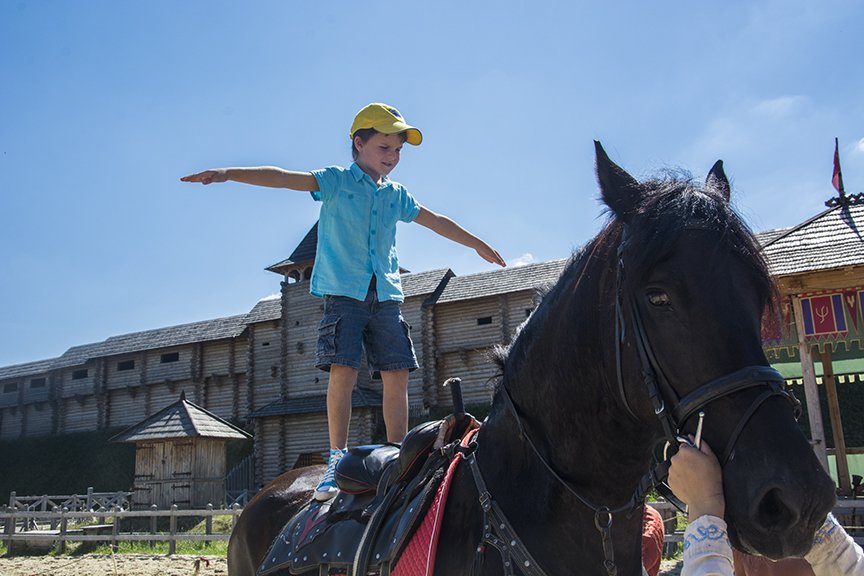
(412, 134)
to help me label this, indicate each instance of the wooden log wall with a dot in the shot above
(280, 441)
(265, 364)
(302, 314)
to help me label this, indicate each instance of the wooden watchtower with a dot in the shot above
(180, 456)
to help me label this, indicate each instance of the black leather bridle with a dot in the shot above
(672, 410)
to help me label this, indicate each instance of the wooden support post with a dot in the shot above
(115, 529)
(811, 392)
(153, 508)
(235, 513)
(208, 524)
(64, 522)
(172, 544)
(10, 526)
(836, 424)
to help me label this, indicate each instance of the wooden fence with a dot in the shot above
(62, 526)
(65, 526)
(74, 502)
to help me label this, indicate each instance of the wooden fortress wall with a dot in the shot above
(270, 361)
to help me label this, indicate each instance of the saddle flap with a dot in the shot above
(361, 468)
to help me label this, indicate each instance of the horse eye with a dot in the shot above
(658, 298)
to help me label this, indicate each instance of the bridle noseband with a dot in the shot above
(672, 411)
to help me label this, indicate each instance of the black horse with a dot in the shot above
(659, 315)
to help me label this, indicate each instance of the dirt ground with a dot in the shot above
(118, 565)
(142, 565)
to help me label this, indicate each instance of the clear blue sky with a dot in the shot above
(105, 104)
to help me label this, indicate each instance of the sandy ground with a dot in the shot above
(118, 565)
(142, 565)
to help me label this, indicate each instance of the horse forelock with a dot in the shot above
(670, 206)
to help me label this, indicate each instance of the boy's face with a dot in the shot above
(379, 155)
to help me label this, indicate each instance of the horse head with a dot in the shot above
(691, 290)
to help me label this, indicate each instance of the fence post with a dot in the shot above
(235, 511)
(10, 526)
(208, 524)
(54, 520)
(89, 505)
(12, 496)
(153, 508)
(115, 529)
(172, 544)
(61, 545)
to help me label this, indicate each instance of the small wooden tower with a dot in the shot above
(180, 456)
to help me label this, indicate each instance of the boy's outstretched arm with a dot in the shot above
(269, 176)
(446, 227)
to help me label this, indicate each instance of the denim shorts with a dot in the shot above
(350, 326)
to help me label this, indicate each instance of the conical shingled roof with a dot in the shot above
(305, 252)
(182, 419)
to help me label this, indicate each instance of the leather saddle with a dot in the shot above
(385, 491)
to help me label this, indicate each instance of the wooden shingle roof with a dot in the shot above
(422, 283)
(830, 240)
(305, 252)
(265, 310)
(360, 398)
(182, 419)
(26, 369)
(205, 331)
(528, 277)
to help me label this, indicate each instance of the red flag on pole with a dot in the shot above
(837, 179)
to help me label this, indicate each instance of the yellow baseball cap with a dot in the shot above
(387, 120)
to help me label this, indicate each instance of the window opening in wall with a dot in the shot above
(169, 357)
(484, 320)
(80, 374)
(37, 383)
(125, 365)
(265, 344)
(10, 387)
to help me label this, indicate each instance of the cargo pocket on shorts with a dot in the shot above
(327, 336)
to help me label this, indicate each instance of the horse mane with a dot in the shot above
(670, 203)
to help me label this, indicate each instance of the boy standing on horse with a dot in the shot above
(356, 268)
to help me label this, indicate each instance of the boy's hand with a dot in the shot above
(491, 255)
(207, 177)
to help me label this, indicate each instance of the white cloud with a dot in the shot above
(522, 260)
(778, 108)
(859, 147)
(274, 296)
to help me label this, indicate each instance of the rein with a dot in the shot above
(497, 530)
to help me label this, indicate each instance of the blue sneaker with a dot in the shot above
(327, 487)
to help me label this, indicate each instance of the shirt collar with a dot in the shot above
(358, 174)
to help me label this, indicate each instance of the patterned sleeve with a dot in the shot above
(707, 551)
(834, 552)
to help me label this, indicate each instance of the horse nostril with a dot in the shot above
(773, 514)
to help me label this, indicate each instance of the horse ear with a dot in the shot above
(717, 180)
(621, 192)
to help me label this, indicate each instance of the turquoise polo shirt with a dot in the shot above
(357, 233)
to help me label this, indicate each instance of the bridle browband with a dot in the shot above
(672, 410)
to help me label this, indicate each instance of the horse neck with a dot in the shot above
(561, 377)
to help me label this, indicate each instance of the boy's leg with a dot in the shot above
(339, 388)
(395, 404)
